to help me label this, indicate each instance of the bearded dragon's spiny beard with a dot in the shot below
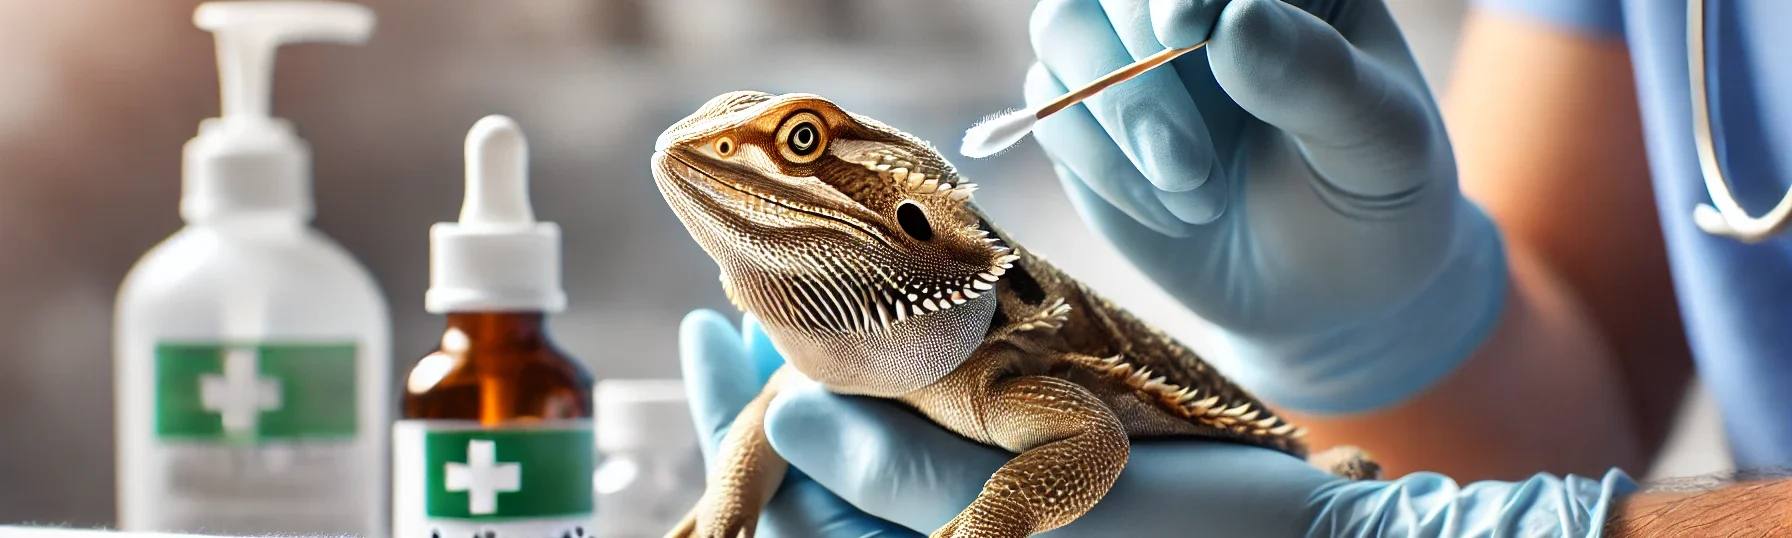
(850, 240)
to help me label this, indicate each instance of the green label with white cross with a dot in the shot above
(528, 479)
(251, 392)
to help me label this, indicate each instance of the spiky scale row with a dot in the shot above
(904, 173)
(906, 303)
(1051, 317)
(984, 236)
(1240, 418)
(911, 299)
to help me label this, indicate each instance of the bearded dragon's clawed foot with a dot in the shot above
(1348, 462)
(744, 480)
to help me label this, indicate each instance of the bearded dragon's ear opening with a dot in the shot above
(914, 221)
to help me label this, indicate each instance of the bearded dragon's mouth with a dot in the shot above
(763, 203)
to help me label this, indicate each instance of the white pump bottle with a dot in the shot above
(253, 353)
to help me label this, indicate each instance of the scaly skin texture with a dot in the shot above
(872, 272)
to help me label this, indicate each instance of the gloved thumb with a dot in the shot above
(718, 374)
(1354, 101)
(765, 357)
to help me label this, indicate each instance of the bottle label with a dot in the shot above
(454, 479)
(254, 437)
(254, 393)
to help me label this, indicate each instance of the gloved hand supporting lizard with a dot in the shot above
(868, 468)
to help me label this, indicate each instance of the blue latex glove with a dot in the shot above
(1292, 183)
(882, 464)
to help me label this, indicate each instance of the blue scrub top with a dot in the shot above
(1737, 298)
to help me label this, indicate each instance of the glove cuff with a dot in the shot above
(1430, 504)
(1387, 358)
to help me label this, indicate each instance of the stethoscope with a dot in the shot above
(1723, 217)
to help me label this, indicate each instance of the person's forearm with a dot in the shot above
(1746, 509)
(1548, 139)
(1541, 394)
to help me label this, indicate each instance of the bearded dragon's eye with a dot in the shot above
(913, 221)
(725, 146)
(801, 139)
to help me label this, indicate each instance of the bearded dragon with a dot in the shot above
(873, 273)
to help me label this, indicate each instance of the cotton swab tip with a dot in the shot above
(997, 133)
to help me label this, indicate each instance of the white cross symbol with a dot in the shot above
(239, 396)
(483, 478)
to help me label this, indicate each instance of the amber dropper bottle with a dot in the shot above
(495, 438)
(497, 368)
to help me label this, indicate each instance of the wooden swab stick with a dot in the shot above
(1004, 130)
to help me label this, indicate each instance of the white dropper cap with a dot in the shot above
(497, 258)
(246, 160)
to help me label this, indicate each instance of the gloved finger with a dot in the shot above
(1127, 234)
(1207, 200)
(1075, 137)
(1151, 118)
(1185, 263)
(1081, 144)
(718, 375)
(1366, 123)
(1183, 23)
(884, 460)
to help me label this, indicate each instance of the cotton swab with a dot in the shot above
(997, 132)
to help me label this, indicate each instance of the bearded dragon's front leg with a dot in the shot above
(1071, 447)
(745, 477)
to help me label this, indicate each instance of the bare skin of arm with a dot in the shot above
(1745, 509)
(1501, 415)
(1570, 179)
(1548, 139)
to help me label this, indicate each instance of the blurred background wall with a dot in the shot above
(97, 96)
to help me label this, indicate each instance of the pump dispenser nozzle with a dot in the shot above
(246, 160)
(497, 258)
(248, 32)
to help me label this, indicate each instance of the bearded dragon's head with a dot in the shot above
(854, 243)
